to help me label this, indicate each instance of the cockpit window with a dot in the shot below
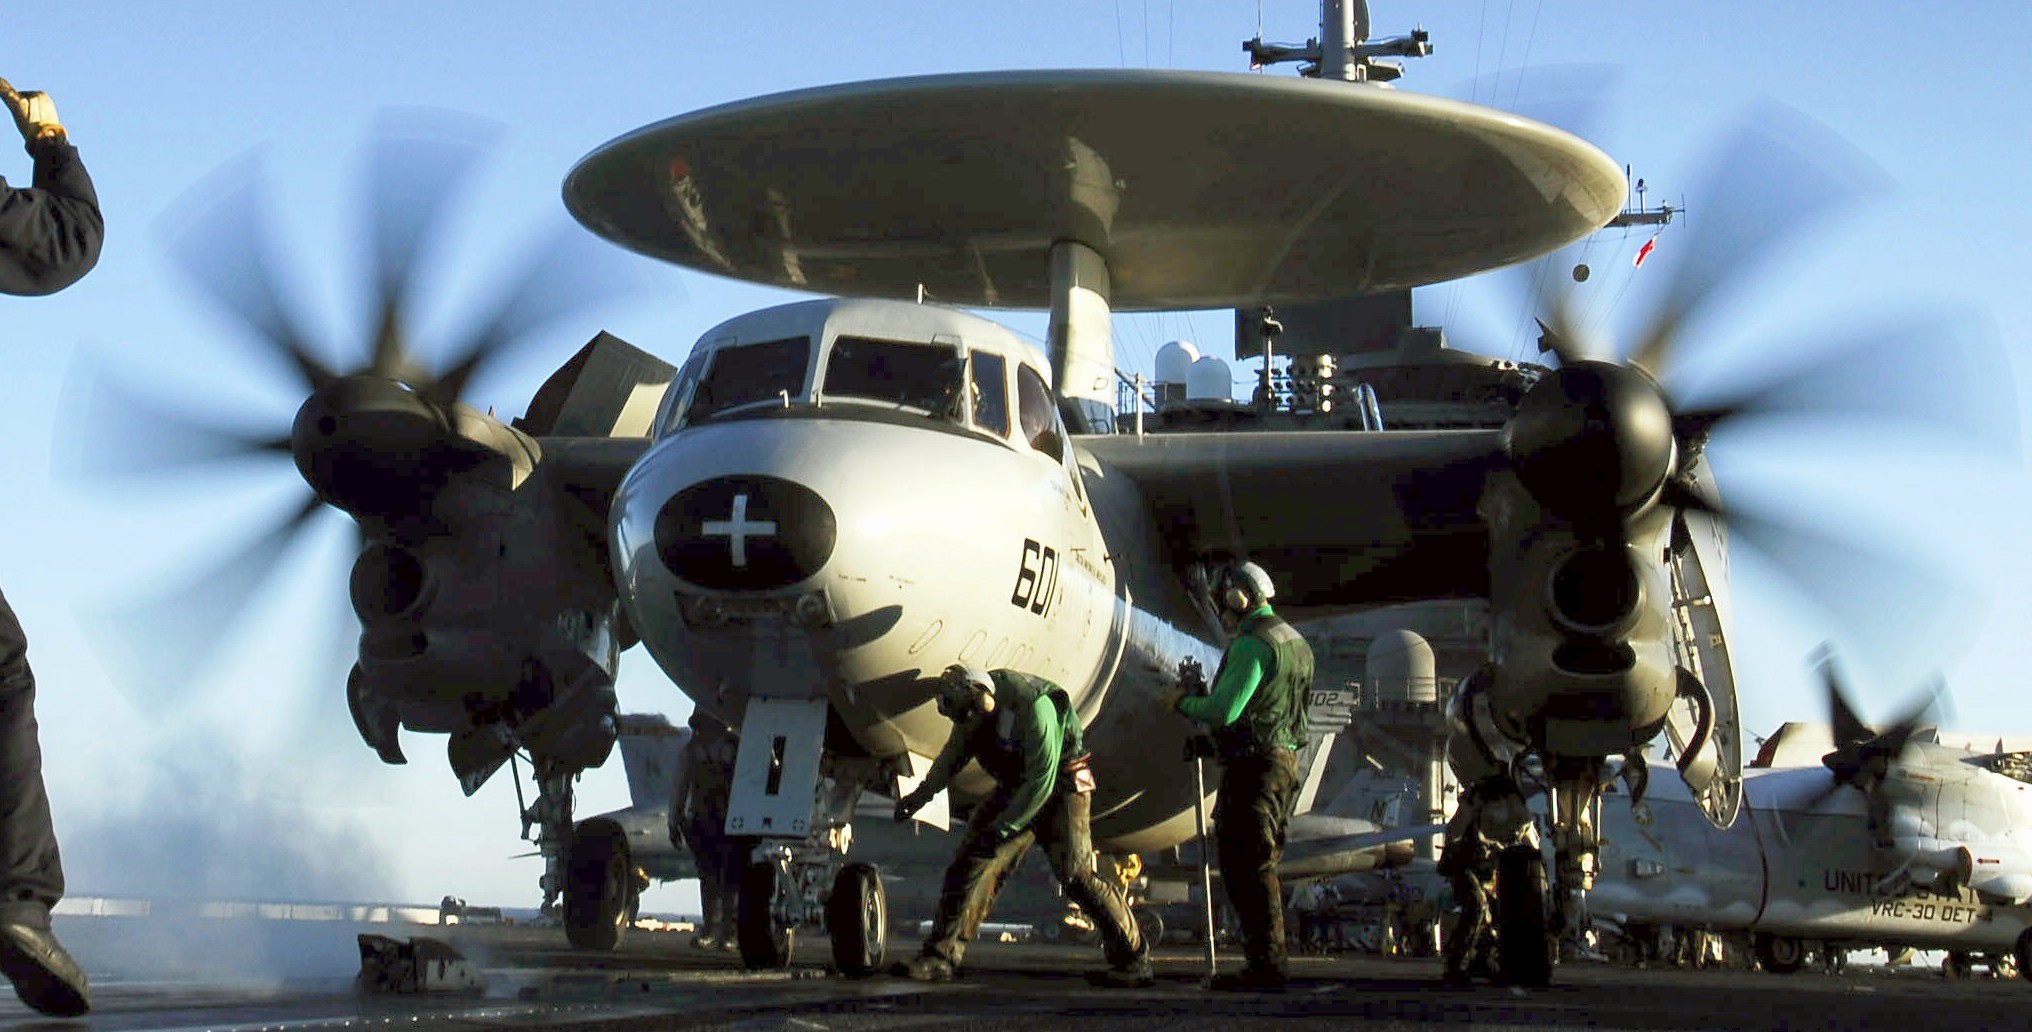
(677, 400)
(1037, 415)
(743, 374)
(919, 376)
(991, 393)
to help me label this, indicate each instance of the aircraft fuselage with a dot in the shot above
(823, 544)
(1806, 867)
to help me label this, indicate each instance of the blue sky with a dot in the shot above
(254, 783)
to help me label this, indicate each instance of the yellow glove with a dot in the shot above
(34, 113)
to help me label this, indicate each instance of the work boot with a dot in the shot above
(1134, 975)
(43, 973)
(1250, 979)
(925, 968)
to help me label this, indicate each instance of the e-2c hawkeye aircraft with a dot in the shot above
(835, 499)
(1890, 839)
(831, 500)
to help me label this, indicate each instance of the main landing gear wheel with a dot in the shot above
(857, 919)
(763, 932)
(1523, 926)
(599, 885)
(1778, 954)
(2022, 953)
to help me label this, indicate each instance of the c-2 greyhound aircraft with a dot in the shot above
(1890, 839)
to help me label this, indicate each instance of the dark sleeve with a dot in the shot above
(49, 234)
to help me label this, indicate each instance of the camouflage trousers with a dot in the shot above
(983, 866)
(720, 858)
(1254, 806)
(1468, 941)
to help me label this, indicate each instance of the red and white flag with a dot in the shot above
(1643, 253)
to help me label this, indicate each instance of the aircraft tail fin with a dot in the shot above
(610, 388)
(651, 749)
(1327, 714)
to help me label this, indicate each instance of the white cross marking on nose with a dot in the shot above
(737, 528)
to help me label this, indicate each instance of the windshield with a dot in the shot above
(919, 376)
(743, 374)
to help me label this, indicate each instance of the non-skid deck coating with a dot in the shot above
(656, 981)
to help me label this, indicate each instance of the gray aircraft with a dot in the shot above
(651, 749)
(831, 500)
(1891, 838)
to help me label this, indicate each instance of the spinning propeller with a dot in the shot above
(1937, 372)
(1863, 756)
(386, 399)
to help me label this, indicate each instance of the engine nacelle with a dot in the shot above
(373, 447)
(1998, 873)
(1581, 625)
(487, 613)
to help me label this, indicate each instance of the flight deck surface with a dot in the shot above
(657, 981)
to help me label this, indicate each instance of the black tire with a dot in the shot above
(1523, 919)
(1778, 954)
(2022, 953)
(1151, 924)
(764, 939)
(857, 920)
(599, 885)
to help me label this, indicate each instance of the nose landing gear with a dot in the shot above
(798, 877)
(792, 885)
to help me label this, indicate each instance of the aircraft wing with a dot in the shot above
(1352, 854)
(1347, 519)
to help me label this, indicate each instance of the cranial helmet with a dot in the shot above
(1244, 586)
(961, 687)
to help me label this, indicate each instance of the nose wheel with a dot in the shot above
(857, 919)
(788, 886)
(761, 922)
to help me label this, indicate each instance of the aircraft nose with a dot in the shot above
(745, 533)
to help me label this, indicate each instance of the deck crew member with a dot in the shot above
(1257, 712)
(1024, 733)
(49, 237)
